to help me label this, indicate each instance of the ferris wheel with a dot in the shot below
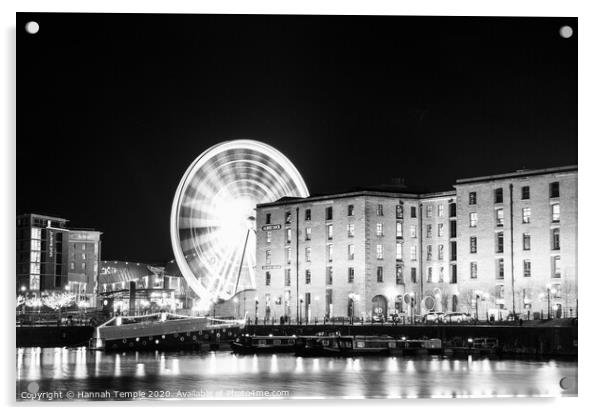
(213, 214)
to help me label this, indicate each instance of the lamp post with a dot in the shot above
(256, 310)
(550, 291)
(353, 297)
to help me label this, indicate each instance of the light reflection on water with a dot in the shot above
(393, 377)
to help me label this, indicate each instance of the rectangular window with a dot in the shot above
(379, 274)
(439, 229)
(441, 274)
(473, 270)
(268, 218)
(454, 274)
(556, 238)
(525, 193)
(350, 210)
(329, 252)
(555, 189)
(379, 229)
(413, 275)
(472, 218)
(307, 214)
(329, 275)
(308, 276)
(287, 217)
(399, 211)
(72, 266)
(440, 252)
(527, 215)
(555, 213)
(268, 237)
(398, 230)
(429, 231)
(412, 252)
(453, 229)
(379, 251)
(287, 277)
(83, 246)
(452, 251)
(83, 266)
(526, 242)
(399, 274)
(429, 252)
(413, 231)
(398, 252)
(472, 198)
(268, 256)
(329, 232)
(83, 256)
(350, 274)
(307, 254)
(268, 278)
(452, 210)
(350, 252)
(350, 230)
(500, 268)
(379, 210)
(498, 195)
(429, 274)
(440, 210)
(499, 242)
(499, 217)
(308, 234)
(329, 213)
(289, 235)
(556, 273)
(36, 233)
(289, 255)
(412, 211)
(429, 211)
(526, 268)
(35, 245)
(473, 244)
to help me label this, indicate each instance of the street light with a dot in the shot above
(550, 291)
(353, 297)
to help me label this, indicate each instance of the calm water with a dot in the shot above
(61, 373)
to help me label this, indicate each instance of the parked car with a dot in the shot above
(433, 317)
(457, 317)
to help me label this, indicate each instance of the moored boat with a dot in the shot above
(164, 331)
(264, 344)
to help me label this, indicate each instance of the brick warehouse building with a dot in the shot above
(382, 251)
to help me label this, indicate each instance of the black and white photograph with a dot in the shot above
(295, 206)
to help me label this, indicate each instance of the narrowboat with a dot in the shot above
(264, 344)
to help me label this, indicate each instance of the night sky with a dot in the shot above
(111, 109)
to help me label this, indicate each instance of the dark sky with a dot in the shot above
(112, 109)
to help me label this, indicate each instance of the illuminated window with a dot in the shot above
(35, 244)
(350, 251)
(412, 252)
(440, 210)
(499, 217)
(429, 211)
(83, 257)
(379, 251)
(472, 218)
(83, 266)
(329, 252)
(399, 211)
(36, 233)
(527, 215)
(350, 210)
(399, 274)
(398, 230)
(329, 232)
(289, 235)
(440, 230)
(350, 230)
(308, 234)
(556, 271)
(72, 266)
(268, 237)
(555, 213)
(413, 231)
(440, 252)
(399, 252)
(268, 256)
(307, 254)
(289, 255)
(379, 229)
(441, 274)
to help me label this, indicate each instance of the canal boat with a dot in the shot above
(162, 331)
(346, 346)
(406, 347)
(264, 344)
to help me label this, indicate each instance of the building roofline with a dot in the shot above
(344, 195)
(39, 215)
(446, 193)
(518, 173)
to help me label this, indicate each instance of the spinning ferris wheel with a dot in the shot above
(213, 214)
